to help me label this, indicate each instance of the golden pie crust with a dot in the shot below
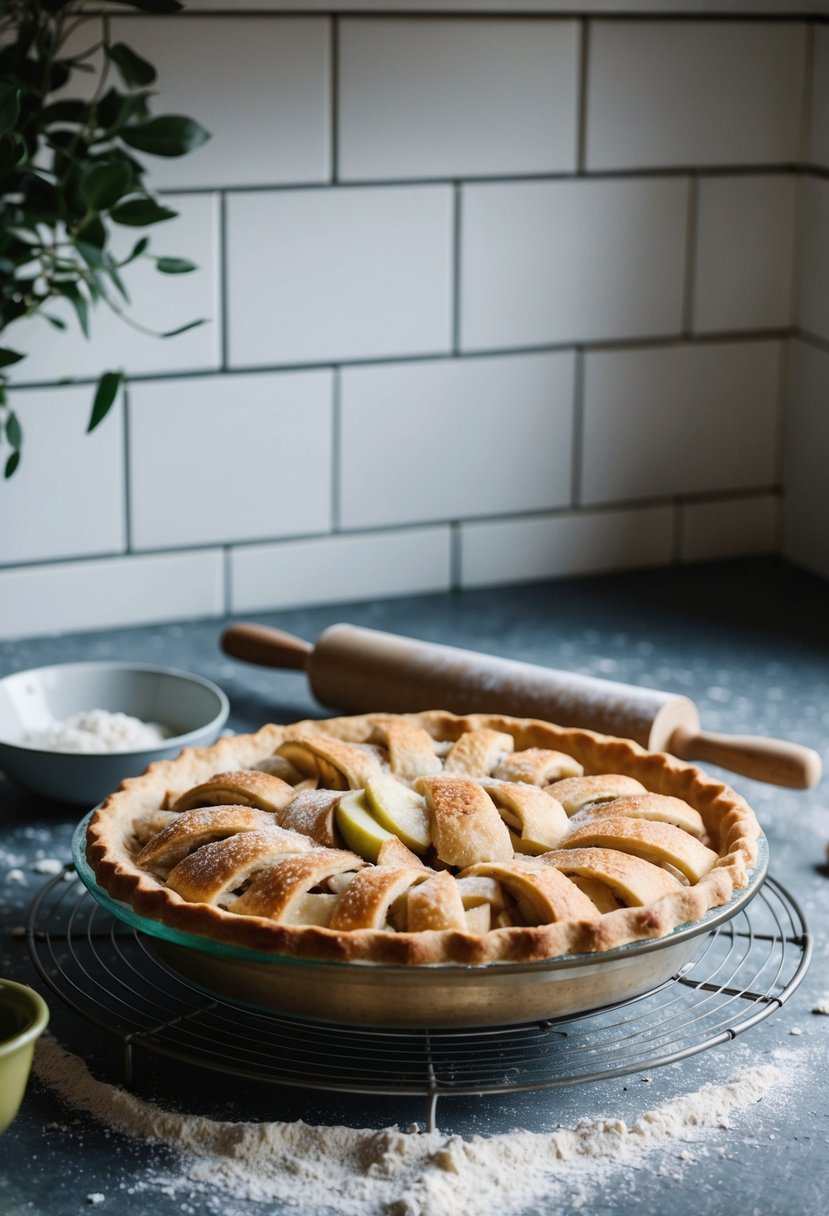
(545, 841)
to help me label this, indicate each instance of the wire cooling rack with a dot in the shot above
(110, 975)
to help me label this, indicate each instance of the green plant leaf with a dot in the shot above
(66, 139)
(9, 106)
(11, 247)
(14, 431)
(182, 329)
(175, 265)
(137, 249)
(60, 75)
(105, 395)
(79, 303)
(112, 271)
(116, 109)
(39, 197)
(104, 184)
(134, 70)
(64, 111)
(168, 135)
(8, 357)
(93, 285)
(55, 321)
(93, 233)
(91, 254)
(139, 212)
(10, 310)
(12, 151)
(12, 463)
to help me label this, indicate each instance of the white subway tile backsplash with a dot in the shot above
(570, 261)
(449, 439)
(110, 592)
(260, 86)
(819, 125)
(410, 196)
(456, 98)
(730, 527)
(806, 501)
(158, 301)
(559, 546)
(223, 458)
(675, 93)
(679, 420)
(814, 275)
(334, 569)
(352, 273)
(745, 253)
(67, 497)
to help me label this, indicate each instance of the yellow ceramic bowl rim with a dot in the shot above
(39, 1011)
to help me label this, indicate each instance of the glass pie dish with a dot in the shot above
(440, 995)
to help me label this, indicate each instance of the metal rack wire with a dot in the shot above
(109, 975)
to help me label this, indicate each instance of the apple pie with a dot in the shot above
(423, 838)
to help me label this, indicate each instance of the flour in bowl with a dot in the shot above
(97, 730)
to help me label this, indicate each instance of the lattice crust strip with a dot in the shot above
(444, 837)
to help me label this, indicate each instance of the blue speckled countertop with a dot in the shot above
(748, 641)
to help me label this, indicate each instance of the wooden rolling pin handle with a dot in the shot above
(266, 647)
(397, 674)
(774, 761)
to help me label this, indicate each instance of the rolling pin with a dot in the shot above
(356, 669)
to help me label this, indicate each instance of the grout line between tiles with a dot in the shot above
(577, 453)
(631, 172)
(691, 243)
(581, 107)
(455, 556)
(618, 506)
(336, 452)
(782, 409)
(403, 12)
(224, 267)
(108, 556)
(649, 342)
(797, 248)
(334, 85)
(805, 335)
(127, 473)
(227, 580)
(457, 221)
(807, 98)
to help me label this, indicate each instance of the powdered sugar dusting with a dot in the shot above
(359, 1172)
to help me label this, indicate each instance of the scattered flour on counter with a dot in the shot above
(358, 1172)
(822, 1004)
(47, 865)
(97, 730)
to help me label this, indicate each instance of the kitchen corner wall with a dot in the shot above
(806, 467)
(488, 299)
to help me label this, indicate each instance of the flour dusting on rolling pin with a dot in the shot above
(358, 670)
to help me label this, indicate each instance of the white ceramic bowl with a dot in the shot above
(193, 710)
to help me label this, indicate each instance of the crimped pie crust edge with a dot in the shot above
(729, 821)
